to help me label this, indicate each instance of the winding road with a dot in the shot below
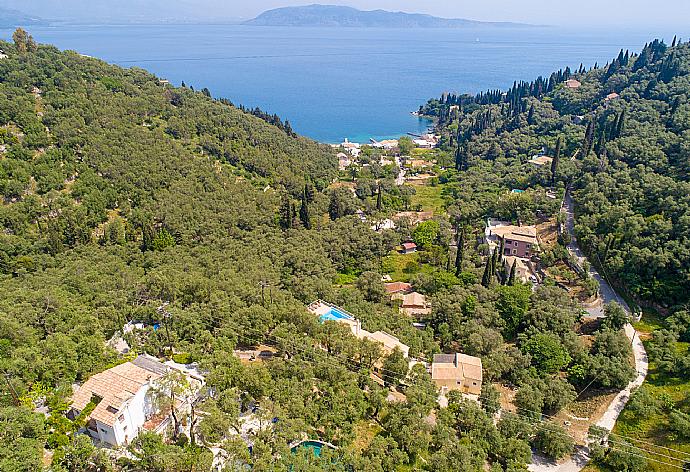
(607, 294)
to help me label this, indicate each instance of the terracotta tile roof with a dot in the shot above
(115, 386)
(409, 246)
(456, 367)
(414, 299)
(388, 341)
(396, 287)
(572, 83)
(518, 233)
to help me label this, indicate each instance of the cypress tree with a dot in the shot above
(311, 193)
(486, 278)
(601, 145)
(304, 210)
(621, 124)
(379, 199)
(335, 207)
(513, 269)
(285, 212)
(460, 252)
(556, 158)
(589, 139)
(461, 157)
(530, 116)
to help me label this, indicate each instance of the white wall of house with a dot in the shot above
(128, 422)
(132, 416)
(106, 433)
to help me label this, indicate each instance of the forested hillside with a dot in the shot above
(619, 139)
(624, 153)
(126, 199)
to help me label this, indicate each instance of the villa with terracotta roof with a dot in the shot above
(519, 241)
(408, 248)
(397, 287)
(572, 84)
(329, 312)
(457, 372)
(122, 400)
(413, 304)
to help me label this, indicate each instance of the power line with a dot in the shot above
(540, 424)
(352, 362)
(650, 444)
(625, 444)
(608, 432)
(648, 458)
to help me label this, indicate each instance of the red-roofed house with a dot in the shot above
(408, 248)
(398, 287)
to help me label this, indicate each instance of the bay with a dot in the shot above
(336, 83)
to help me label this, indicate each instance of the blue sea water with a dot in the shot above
(335, 83)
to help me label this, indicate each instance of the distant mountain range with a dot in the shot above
(341, 16)
(10, 18)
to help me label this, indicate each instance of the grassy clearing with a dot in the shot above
(430, 198)
(401, 267)
(365, 432)
(653, 428)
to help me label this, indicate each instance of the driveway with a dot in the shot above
(580, 458)
(400, 180)
(606, 292)
(608, 420)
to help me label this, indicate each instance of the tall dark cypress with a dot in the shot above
(304, 210)
(600, 148)
(285, 212)
(494, 263)
(530, 116)
(589, 139)
(460, 253)
(379, 199)
(513, 270)
(461, 157)
(621, 124)
(486, 278)
(556, 158)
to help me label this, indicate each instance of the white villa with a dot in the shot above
(328, 312)
(123, 401)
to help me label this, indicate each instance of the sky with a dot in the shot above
(631, 13)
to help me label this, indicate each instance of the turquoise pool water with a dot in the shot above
(334, 314)
(315, 446)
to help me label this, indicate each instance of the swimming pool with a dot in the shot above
(315, 446)
(335, 314)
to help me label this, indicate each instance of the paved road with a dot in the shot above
(606, 294)
(400, 180)
(579, 460)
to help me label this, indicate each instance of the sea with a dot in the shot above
(338, 83)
